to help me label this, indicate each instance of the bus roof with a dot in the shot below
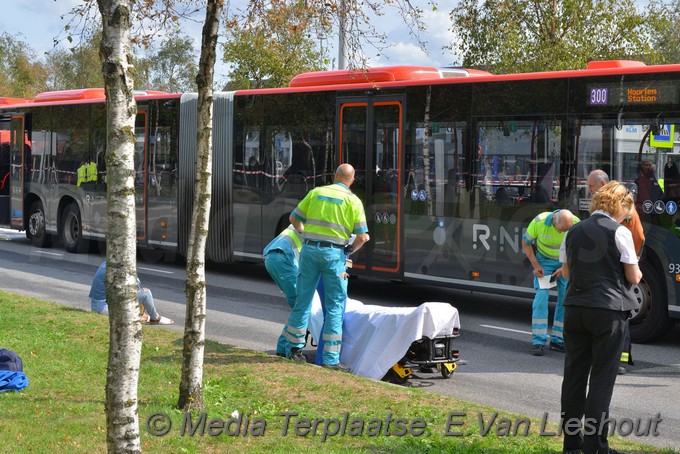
(374, 75)
(369, 78)
(5, 100)
(395, 76)
(83, 95)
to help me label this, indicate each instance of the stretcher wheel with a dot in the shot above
(392, 377)
(398, 374)
(447, 369)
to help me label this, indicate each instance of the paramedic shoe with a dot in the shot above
(622, 371)
(537, 350)
(558, 347)
(296, 355)
(340, 367)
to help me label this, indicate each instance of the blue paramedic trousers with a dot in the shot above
(328, 263)
(285, 274)
(539, 308)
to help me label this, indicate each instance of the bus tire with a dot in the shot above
(651, 321)
(72, 230)
(36, 230)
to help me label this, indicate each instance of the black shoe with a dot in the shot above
(296, 355)
(537, 350)
(340, 367)
(572, 451)
(557, 347)
(622, 371)
(281, 355)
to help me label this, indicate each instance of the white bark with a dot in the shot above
(191, 384)
(122, 421)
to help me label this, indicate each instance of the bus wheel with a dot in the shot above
(72, 230)
(36, 225)
(651, 320)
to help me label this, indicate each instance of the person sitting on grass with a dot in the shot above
(99, 305)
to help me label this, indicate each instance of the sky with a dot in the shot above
(39, 21)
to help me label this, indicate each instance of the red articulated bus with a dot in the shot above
(451, 165)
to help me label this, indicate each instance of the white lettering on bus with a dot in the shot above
(481, 234)
(483, 237)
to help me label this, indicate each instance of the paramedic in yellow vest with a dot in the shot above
(546, 231)
(91, 172)
(281, 261)
(82, 173)
(326, 217)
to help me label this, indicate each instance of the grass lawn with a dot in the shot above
(254, 402)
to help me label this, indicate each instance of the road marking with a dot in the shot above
(505, 329)
(155, 270)
(56, 254)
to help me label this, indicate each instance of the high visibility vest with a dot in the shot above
(331, 213)
(288, 241)
(82, 174)
(543, 233)
(92, 172)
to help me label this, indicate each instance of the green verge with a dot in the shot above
(246, 393)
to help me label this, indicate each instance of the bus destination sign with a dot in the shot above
(632, 94)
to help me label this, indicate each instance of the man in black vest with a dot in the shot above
(601, 264)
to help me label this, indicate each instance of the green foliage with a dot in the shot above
(172, 67)
(76, 67)
(270, 50)
(21, 74)
(666, 29)
(510, 36)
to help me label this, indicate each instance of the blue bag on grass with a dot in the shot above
(12, 377)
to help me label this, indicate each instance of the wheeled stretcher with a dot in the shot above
(387, 342)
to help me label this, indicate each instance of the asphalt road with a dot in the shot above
(246, 309)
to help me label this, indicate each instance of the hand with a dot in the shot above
(538, 272)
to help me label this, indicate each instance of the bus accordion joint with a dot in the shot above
(474, 275)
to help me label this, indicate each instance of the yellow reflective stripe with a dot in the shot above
(291, 234)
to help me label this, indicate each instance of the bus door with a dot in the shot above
(370, 139)
(18, 162)
(140, 174)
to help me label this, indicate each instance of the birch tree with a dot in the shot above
(191, 384)
(125, 337)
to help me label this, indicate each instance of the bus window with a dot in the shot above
(518, 163)
(627, 150)
(444, 158)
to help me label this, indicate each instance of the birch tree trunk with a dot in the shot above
(122, 374)
(191, 383)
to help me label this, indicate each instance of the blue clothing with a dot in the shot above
(12, 381)
(97, 295)
(331, 214)
(281, 261)
(98, 290)
(327, 263)
(539, 308)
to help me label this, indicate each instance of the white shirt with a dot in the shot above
(623, 238)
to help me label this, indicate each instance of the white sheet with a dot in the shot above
(374, 338)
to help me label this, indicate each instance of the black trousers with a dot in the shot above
(593, 339)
